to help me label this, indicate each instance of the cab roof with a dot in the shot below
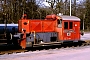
(71, 18)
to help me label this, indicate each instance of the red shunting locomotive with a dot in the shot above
(52, 29)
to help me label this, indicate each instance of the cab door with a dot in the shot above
(71, 30)
(77, 30)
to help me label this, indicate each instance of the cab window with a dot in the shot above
(70, 25)
(59, 22)
(65, 25)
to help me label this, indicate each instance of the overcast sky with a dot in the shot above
(45, 4)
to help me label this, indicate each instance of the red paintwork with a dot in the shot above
(22, 26)
(23, 41)
(48, 26)
(77, 30)
(35, 25)
(51, 17)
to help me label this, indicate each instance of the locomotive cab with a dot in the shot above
(70, 30)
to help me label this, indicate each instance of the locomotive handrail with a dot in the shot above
(34, 36)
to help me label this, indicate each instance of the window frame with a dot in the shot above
(59, 23)
(66, 26)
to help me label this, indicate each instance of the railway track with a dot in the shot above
(44, 47)
(12, 51)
